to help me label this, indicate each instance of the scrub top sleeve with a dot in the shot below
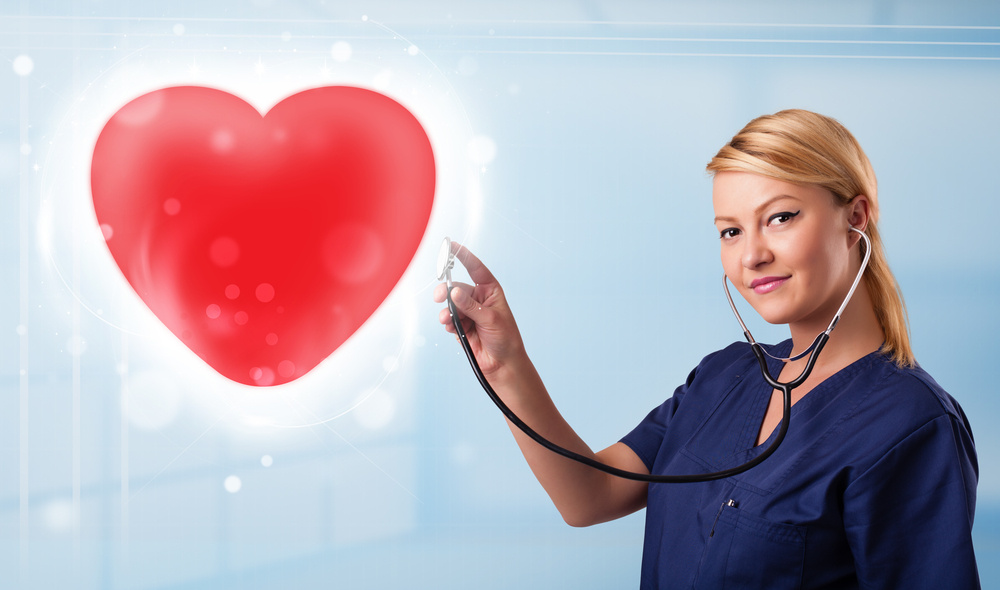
(646, 438)
(909, 516)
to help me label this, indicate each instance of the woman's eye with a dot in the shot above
(783, 217)
(729, 233)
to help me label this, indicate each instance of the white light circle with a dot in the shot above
(58, 515)
(23, 65)
(341, 51)
(232, 484)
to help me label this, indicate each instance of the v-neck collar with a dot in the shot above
(802, 406)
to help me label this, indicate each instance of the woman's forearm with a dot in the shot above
(583, 495)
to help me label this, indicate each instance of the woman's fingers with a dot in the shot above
(439, 292)
(445, 318)
(480, 306)
(442, 290)
(469, 307)
(482, 312)
(465, 304)
(460, 294)
(476, 269)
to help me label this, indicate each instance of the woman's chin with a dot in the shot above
(773, 317)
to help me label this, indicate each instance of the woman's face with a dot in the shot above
(785, 247)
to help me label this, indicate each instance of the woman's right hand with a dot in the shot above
(488, 322)
(583, 495)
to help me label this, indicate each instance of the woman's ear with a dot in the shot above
(858, 212)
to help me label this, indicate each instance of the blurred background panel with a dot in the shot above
(570, 139)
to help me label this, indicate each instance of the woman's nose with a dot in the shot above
(755, 251)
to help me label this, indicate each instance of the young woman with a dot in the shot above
(874, 485)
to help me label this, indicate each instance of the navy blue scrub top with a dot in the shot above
(874, 485)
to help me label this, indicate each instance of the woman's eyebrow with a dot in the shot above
(759, 208)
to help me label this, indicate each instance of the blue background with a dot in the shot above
(572, 138)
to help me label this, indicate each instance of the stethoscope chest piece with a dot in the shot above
(445, 261)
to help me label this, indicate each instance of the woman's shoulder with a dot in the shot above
(889, 403)
(913, 390)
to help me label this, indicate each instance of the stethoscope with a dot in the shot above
(446, 261)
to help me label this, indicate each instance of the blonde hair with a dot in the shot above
(802, 147)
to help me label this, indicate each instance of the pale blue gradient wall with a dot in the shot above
(594, 212)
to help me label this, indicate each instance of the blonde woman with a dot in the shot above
(874, 485)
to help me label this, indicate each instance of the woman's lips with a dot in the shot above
(767, 284)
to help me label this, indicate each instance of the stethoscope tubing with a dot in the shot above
(786, 390)
(758, 351)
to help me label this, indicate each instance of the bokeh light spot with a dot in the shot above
(262, 376)
(224, 252)
(265, 292)
(58, 515)
(223, 141)
(23, 65)
(233, 484)
(341, 51)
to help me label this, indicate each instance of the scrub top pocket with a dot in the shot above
(746, 551)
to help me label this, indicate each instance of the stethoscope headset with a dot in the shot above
(446, 261)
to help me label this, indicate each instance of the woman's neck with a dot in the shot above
(857, 334)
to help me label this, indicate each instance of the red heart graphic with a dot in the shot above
(263, 243)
